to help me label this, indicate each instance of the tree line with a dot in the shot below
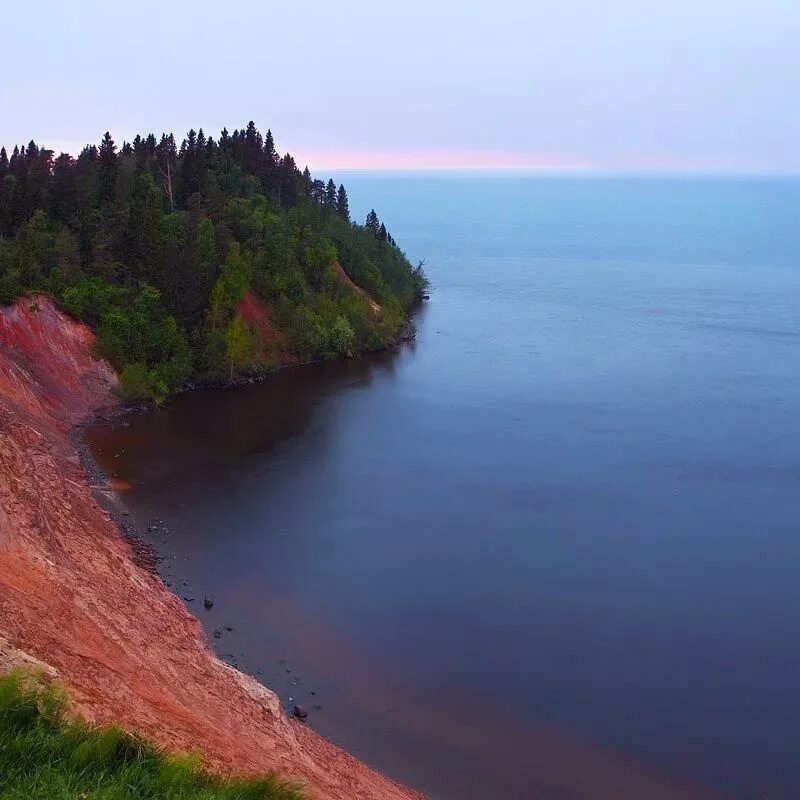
(155, 244)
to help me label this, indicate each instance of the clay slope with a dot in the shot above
(71, 596)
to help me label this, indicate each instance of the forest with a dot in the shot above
(208, 259)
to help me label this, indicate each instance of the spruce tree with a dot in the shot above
(62, 193)
(373, 223)
(318, 191)
(107, 162)
(253, 149)
(330, 195)
(342, 203)
(269, 149)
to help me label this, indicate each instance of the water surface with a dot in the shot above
(550, 550)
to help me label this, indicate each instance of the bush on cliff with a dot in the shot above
(45, 756)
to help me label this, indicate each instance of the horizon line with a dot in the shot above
(494, 162)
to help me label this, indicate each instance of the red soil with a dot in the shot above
(272, 342)
(72, 597)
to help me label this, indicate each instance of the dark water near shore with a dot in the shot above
(550, 550)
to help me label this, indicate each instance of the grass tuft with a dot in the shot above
(46, 756)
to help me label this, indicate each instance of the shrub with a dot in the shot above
(341, 336)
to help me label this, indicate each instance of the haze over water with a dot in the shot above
(550, 550)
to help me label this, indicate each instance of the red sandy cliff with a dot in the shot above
(72, 597)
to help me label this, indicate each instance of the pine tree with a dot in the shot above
(342, 203)
(107, 162)
(270, 179)
(62, 194)
(7, 181)
(318, 191)
(270, 153)
(253, 150)
(288, 182)
(166, 156)
(382, 233)
(373, 223)
(330, 195)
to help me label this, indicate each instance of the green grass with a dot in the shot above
(46, 756)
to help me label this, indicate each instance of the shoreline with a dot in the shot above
(145, 554)
(79, 593)
(151, 554)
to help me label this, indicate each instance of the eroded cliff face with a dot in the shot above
(72, 598)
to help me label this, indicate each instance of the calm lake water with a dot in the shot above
(551, 550)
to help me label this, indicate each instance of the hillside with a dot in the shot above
(166, 249)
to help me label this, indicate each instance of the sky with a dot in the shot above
(608, 85)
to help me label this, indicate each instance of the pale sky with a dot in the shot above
(710, 85)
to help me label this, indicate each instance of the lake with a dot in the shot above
(550, 549)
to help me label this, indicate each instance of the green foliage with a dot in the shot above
(46, 756)
(138, 382)
(342, 336)
(240, 345)
(156, 244)
(135, 333)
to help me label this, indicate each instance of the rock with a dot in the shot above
(300, 712)
(208, 602)
(229, 628)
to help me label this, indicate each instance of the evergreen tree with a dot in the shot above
(143, 241)
(330, 195)
(253, 146)
(318, 191)
(63, 193)
(39, 167)
(270, 154)
(107, 164)
(166, 156)
(342, 203)
(373, 223)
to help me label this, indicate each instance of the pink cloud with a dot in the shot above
(433, 159)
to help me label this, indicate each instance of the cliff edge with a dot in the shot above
(73, 601)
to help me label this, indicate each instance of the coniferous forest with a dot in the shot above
(209, 258)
